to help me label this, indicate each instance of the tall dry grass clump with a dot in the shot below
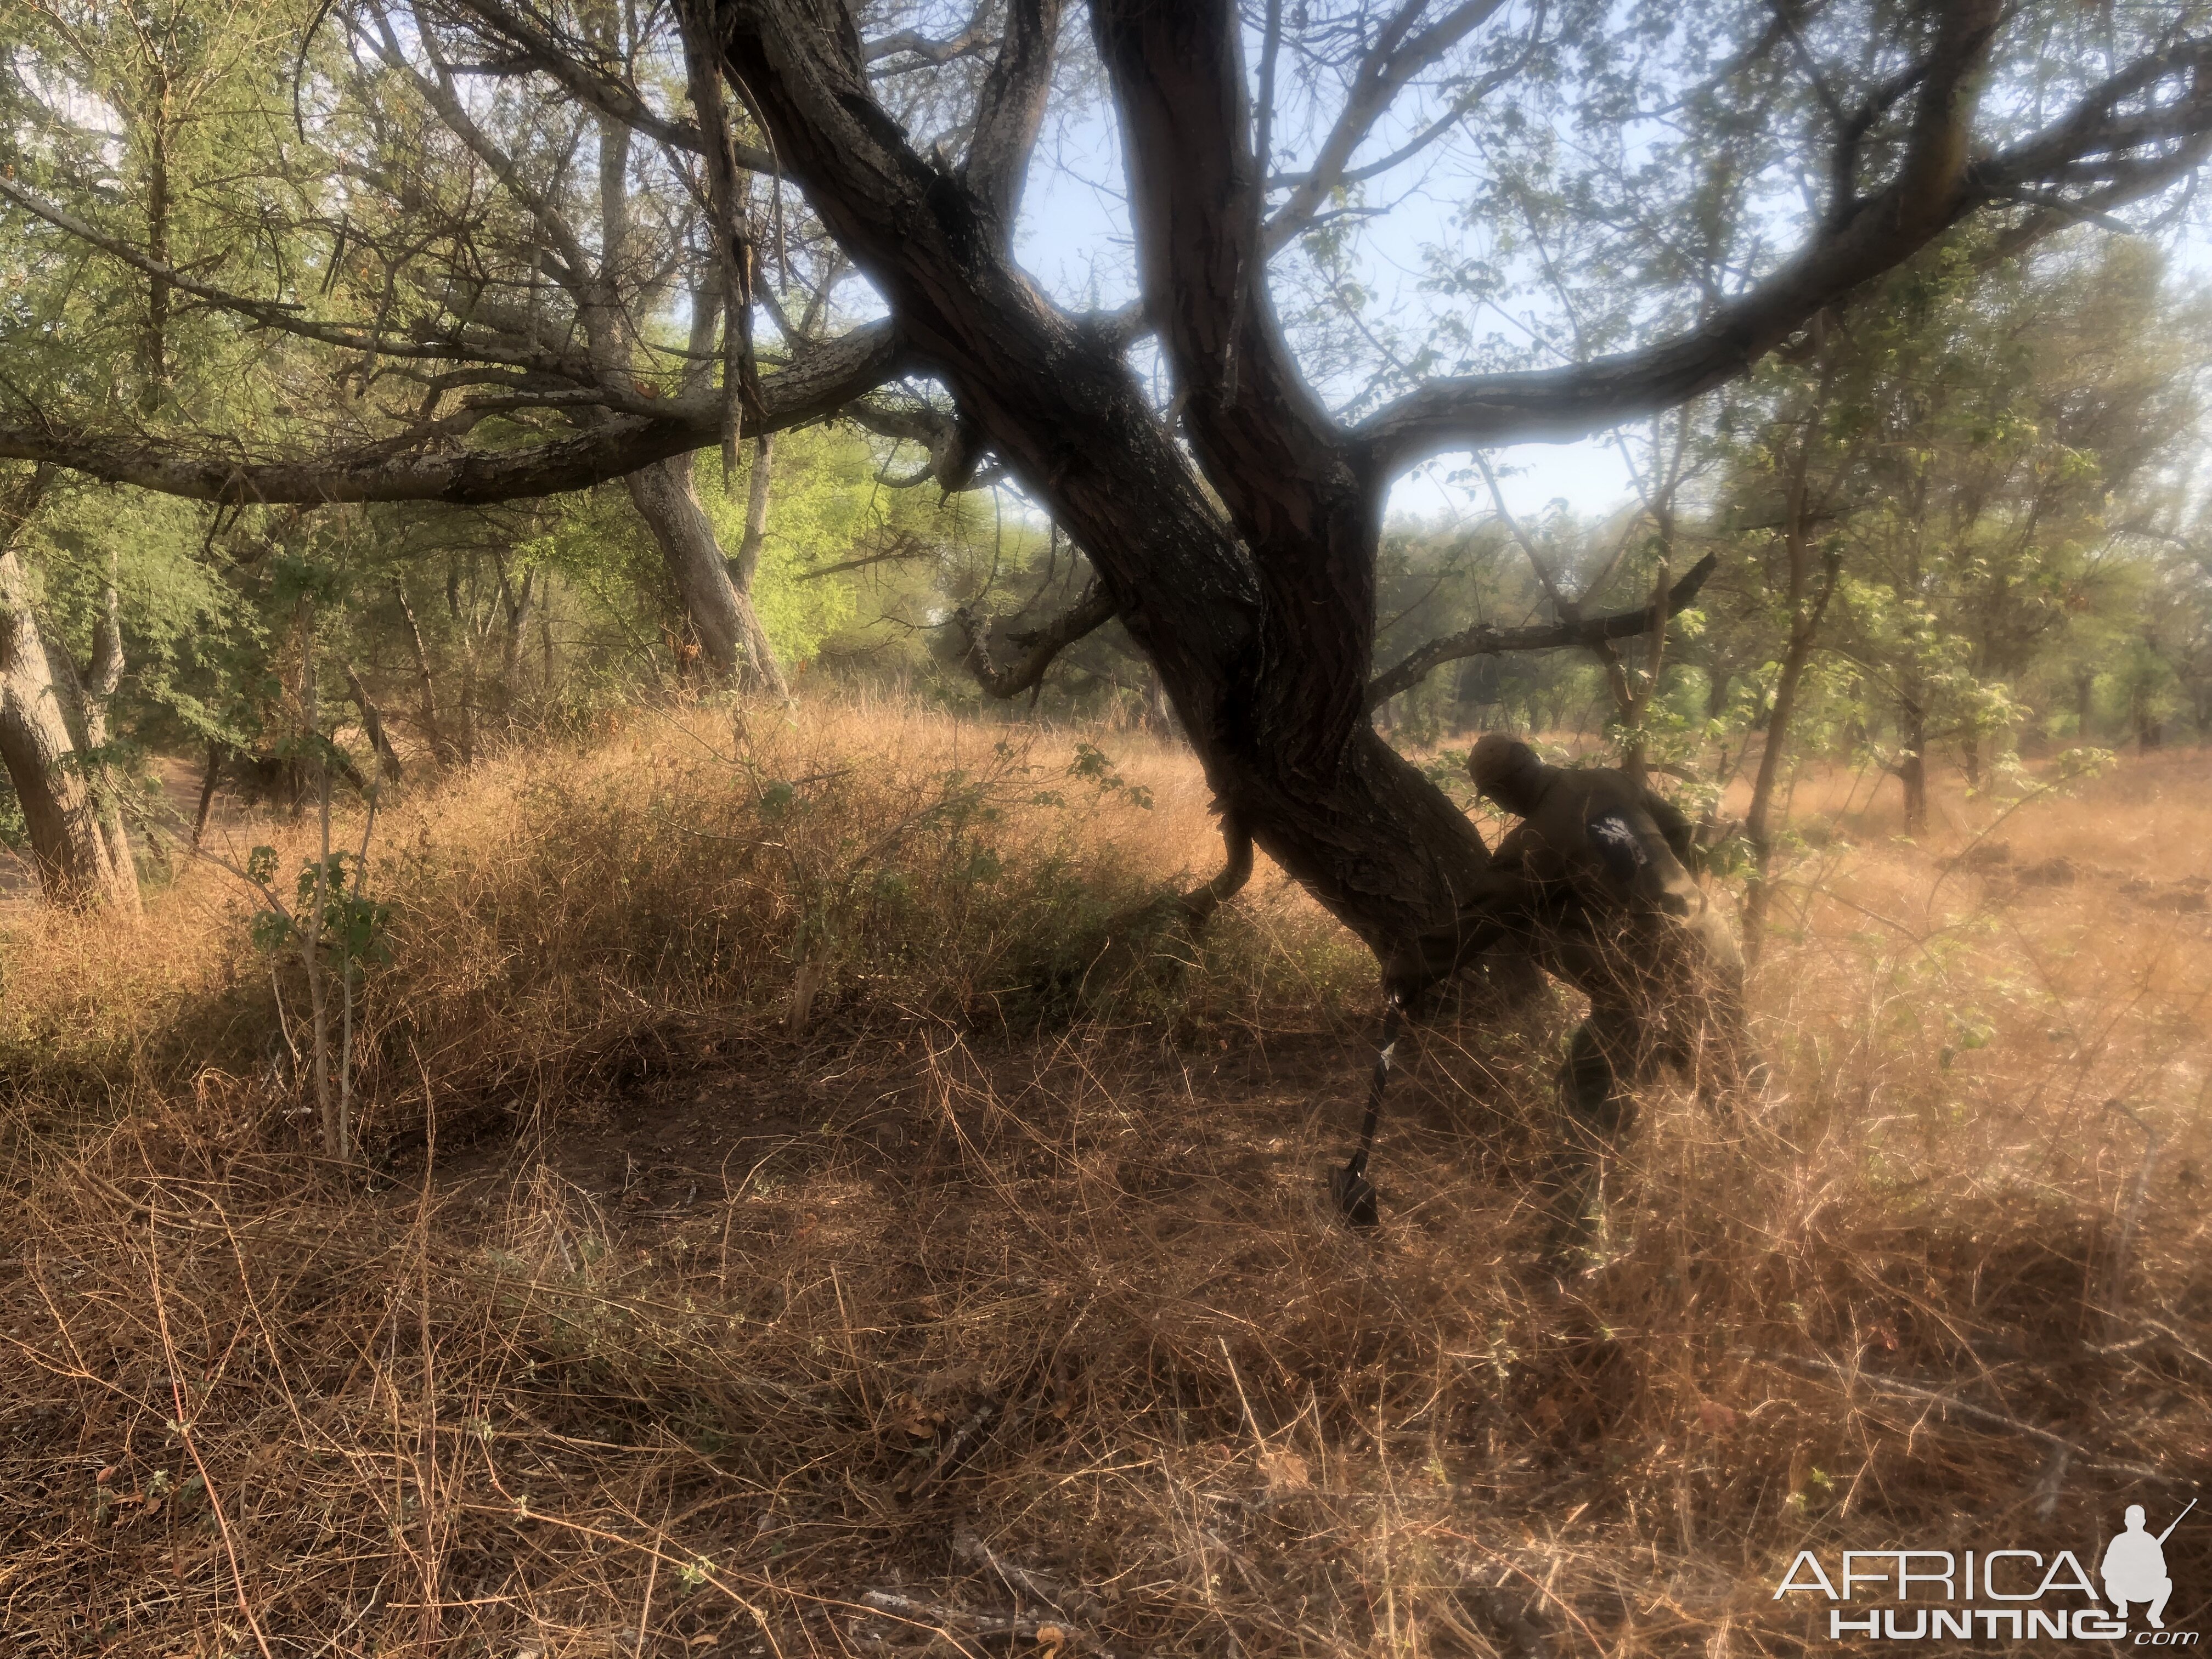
(914, 1327)
(577, 913)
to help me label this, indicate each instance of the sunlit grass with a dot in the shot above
(1008, 1232)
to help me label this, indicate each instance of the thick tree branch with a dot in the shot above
(1488, 639)
(1266, 442)
(1038, 646)
(1935, 186)
(814, 386)
(1012, 107)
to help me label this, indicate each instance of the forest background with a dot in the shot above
(1960, 521)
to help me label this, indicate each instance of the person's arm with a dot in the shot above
(1505, 901)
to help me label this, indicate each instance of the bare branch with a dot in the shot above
(438, 92)
(1488, 640)
(286, 315)
(923, 51)
(1935, 186)
(1396, 57)
(595, 87)
(904, 548)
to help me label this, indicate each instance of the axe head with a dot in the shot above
(1355, 1198)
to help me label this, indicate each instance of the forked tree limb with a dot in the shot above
(1935, 187)
(1038, 646)
(1266, 443)
(1488, 639)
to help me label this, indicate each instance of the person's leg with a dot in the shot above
(1597, 1084)
(1597, 1105)
(2165, 1588)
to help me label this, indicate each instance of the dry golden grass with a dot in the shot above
(997, 1293)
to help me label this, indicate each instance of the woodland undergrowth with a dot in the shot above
(816, 1199)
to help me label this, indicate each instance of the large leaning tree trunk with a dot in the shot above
(1259, 611)
(77, 860)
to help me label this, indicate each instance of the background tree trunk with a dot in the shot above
(745, 567)
(1757, 821)
(87, 696)
(519, 603)
(731, 641)
(1912, 765)
(75, 859)
(211, 779)
(372, 722)
(441, 748)
(747, 562)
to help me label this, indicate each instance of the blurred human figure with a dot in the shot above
(1596, 882)
(1612, 908)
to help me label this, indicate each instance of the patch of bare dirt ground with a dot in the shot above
(981, 1310)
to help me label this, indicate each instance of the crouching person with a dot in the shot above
(1596, 882)
(1604, 864)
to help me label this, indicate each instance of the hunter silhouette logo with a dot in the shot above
(1933, 1595)
(2135, 1567)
